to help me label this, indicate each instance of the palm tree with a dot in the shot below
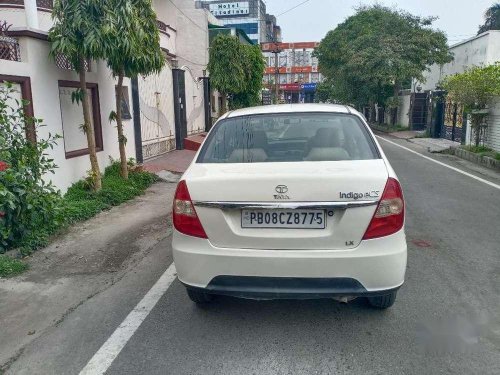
(491, 19)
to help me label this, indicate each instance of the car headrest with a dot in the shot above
(326, 137)
(257, 139)
(327, 154)
(248, 155)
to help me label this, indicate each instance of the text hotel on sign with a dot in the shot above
(230, 9)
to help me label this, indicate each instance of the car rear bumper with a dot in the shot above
(287, 287)
(375, 267)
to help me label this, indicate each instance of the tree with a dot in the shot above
(491, 19)
(254, 67)
(325, 92)
(132, 48)
(78, 35)
(376, 49)
(475, 88)
(227, 72)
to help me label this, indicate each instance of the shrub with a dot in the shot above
(28, 201)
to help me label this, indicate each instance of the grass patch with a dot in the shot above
(11, 267)
(389, 128)
(81, 203)
(478, 149)
(483, 151)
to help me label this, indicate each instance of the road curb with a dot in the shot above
(482, 160)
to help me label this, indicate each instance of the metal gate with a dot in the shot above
(453, 127)
(157, 113)
(419, 111)
(195, 109)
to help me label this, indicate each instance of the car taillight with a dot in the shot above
(390, 215)
(184, 215)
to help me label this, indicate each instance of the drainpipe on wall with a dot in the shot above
(31, 12)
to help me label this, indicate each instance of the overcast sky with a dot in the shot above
(459, 19)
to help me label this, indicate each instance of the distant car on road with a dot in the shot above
(290, 201)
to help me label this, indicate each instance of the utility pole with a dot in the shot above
(276, 50)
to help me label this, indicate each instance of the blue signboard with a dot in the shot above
(308, 86)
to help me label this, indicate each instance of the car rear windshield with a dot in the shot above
(288, 138)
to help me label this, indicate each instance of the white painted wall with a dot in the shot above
(403, 110)
(483, 49)
(195, 110)
(14, 16)
(192, 38)
(157, 113)
(493, 140)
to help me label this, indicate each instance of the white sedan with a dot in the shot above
(290, 201)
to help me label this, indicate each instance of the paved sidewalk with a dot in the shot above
(408, 134)
(176, 161)
(435, 144)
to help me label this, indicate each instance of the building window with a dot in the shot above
(283, 60)
(125, 103)
(22, 91)
(248, 28)
(75, 140)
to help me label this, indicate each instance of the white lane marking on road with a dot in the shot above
(105, 356)
(443, 164)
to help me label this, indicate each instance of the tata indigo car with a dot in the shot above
(290, 201)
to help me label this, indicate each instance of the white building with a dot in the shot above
(48, 85)
(481, 50)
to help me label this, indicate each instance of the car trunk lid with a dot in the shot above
(348, 191)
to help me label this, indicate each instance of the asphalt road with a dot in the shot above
(446, 319)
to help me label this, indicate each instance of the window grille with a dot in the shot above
(45, 4)
(63, 62)
(9, 49)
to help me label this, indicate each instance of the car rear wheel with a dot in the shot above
(199, 297)
(383, 302)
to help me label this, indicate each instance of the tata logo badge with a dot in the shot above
(281, 190)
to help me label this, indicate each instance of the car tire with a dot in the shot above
(199, 297)
(383, 302)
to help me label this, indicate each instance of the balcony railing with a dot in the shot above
(9, 49)
(45, 4)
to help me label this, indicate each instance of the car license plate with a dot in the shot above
(285, 219)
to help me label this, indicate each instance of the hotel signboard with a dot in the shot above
(240, 8)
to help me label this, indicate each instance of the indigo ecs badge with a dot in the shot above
(353, 195)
